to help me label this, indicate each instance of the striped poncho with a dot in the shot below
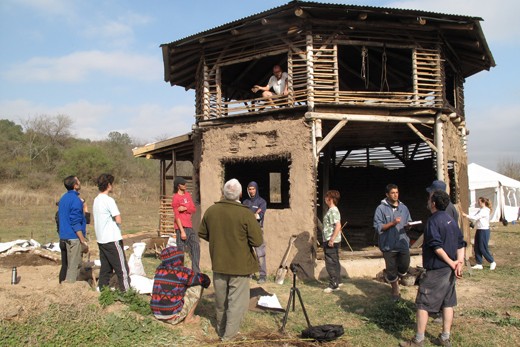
(171, 281)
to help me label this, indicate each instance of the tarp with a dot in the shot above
(502, 191)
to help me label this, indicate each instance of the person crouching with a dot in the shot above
(176, 289)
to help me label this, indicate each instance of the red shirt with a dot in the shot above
(185, 216)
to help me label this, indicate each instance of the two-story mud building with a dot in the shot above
(375, 96)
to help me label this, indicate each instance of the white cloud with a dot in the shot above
(500, 16)
(116, 32)
(493, 134)
(79, 66)
(95, 121)
(52, 8)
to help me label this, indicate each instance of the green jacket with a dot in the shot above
(232, 231)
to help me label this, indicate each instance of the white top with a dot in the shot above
(278, 85)
(104, 211)
(481, 218)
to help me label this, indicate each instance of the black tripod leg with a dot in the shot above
(303, 308)
(291, 298)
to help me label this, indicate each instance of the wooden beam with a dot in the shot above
(391, 150)
(330, 135)
(424, 138)
(368, 118)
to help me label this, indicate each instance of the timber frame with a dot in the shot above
(375, 95)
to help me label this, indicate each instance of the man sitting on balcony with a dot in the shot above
(277, 85)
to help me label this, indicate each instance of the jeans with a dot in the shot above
(332, 264)
(482, 247)
(192, 244)
(397, 264)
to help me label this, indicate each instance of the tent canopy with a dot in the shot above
(502, 191)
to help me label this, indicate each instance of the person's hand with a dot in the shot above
(397, 220)
(183, 235)
(182, 208)
(458, 269)
(205, 281)
(330, 243)
(254, 89)
(84, 247)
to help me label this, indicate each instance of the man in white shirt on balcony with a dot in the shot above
(277, 85)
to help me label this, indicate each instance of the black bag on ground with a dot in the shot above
(327, 332)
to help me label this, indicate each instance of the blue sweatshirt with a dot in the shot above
(71, 217)
(441, 232)
(255, 203)
(395, 238)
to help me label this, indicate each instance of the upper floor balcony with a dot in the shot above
(335, 56)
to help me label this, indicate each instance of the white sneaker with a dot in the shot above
(329, 290)
(477, 267)
(493, 266)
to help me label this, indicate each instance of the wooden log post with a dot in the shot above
(438, 139)
(206, 93)
(310, 73)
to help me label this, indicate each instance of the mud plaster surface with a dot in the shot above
(256, 140)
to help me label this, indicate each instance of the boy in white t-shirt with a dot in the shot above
(107, 223)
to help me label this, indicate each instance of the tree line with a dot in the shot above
(43, 148)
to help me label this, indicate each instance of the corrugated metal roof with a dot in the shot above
(313, 4)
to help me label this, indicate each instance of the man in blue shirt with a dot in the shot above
(443, 259)
(72, 229)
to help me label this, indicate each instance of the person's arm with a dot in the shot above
(286, 88)
(176, 212)
(254, 232)
(455, 265)
(476, 217)
(203, 230)
(262, 207)
(190, 206)
(335, 233)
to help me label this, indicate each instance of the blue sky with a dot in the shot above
(99, 62)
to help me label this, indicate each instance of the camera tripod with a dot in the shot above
(292, 298)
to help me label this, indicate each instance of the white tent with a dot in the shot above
(502, 191)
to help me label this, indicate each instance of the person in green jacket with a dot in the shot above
(232, 231)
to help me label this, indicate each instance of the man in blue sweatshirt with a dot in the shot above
(258, 206)
(72, 229)
(390, 222)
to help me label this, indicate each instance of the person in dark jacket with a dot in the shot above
(176, 289)
(232, 232)
(450, 210)
(258, 206)
(443, 260)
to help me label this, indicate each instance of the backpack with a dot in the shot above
(320, 333)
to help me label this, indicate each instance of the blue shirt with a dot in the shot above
(71, 217)
(441, 232)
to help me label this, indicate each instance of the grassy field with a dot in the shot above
(26, 214)
(488, 313)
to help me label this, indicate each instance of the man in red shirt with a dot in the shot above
(183, 208)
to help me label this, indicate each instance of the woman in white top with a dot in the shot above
(481, 219)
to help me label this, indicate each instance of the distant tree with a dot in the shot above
(85, 160)
(11, 149)
(509, 167)
(116, 137)
(45, 138)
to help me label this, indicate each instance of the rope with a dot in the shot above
(365, 73)
(384, 80)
